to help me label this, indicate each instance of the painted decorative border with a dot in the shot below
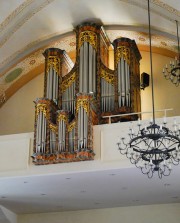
(15, 13)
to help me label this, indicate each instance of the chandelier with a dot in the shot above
(173, 72)
(155, 148)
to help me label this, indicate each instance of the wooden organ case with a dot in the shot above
(78, 98)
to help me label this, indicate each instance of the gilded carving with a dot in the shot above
(71, 126)
(122, 51)
(54, 62)
(88, 36)
(107, 76)
(62, 117)
(84, 102)
(53, 127)
(68, 82)
(42, 108)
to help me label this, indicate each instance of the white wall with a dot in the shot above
(137, 214)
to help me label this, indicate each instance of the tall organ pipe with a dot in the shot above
(61, 136)
(90, 68)
(87, 70)
(41, 133)
(85, 62)
(81, 69)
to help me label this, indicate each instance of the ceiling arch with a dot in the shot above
(29, 27)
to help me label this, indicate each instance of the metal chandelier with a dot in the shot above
(172, 72)
(155, 148)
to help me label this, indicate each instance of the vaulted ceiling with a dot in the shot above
(27, 27)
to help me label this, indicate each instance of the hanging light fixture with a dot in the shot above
(173, 72)
(153, 148)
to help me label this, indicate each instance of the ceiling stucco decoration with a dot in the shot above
(13, 75)
(166, 7)
(68, 44)
(52, 22)
(19, 16)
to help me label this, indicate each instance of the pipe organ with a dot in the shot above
(76, 98)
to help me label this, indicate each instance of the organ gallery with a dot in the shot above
(77, 98)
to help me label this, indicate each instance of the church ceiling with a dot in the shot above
(28, 27)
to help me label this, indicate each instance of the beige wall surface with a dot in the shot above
(137, 214)
(166, 94)
(17, 114)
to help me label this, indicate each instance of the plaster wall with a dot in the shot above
(17, 114)
(166, 94)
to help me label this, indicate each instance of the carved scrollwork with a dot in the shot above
(53, 127)
(122, 51)
(88, 36)
(84, 102)
(68, 82)
(54, 62)
(71, 126)
(62, 117)
(43, 108)
(107, 76)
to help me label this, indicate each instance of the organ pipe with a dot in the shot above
(87, 70)
(76, 99)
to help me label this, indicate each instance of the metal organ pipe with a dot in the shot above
(81, 68)
(41, 133)
(87, 71)
(127, 83)
(107, 96)
(61, 136)
(94, 71)
(102, 94)
(72, 97)
(119, 84)
(71, 140)
(54, 85)
(85, 128)
(123, 83)
(79, 128)
(47, 87)
(37, 136)
(50, 83)
(52, 141)
(90, 69)
(68, 98)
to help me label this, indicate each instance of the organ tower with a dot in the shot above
(77, 98)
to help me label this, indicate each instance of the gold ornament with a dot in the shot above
(107, 76)
(53, 127)
(71, 126)
(84, 102)
(68, 82)
(54, 62)
(62, 117)
(42, 108)
(122, 51)
(88, 36)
